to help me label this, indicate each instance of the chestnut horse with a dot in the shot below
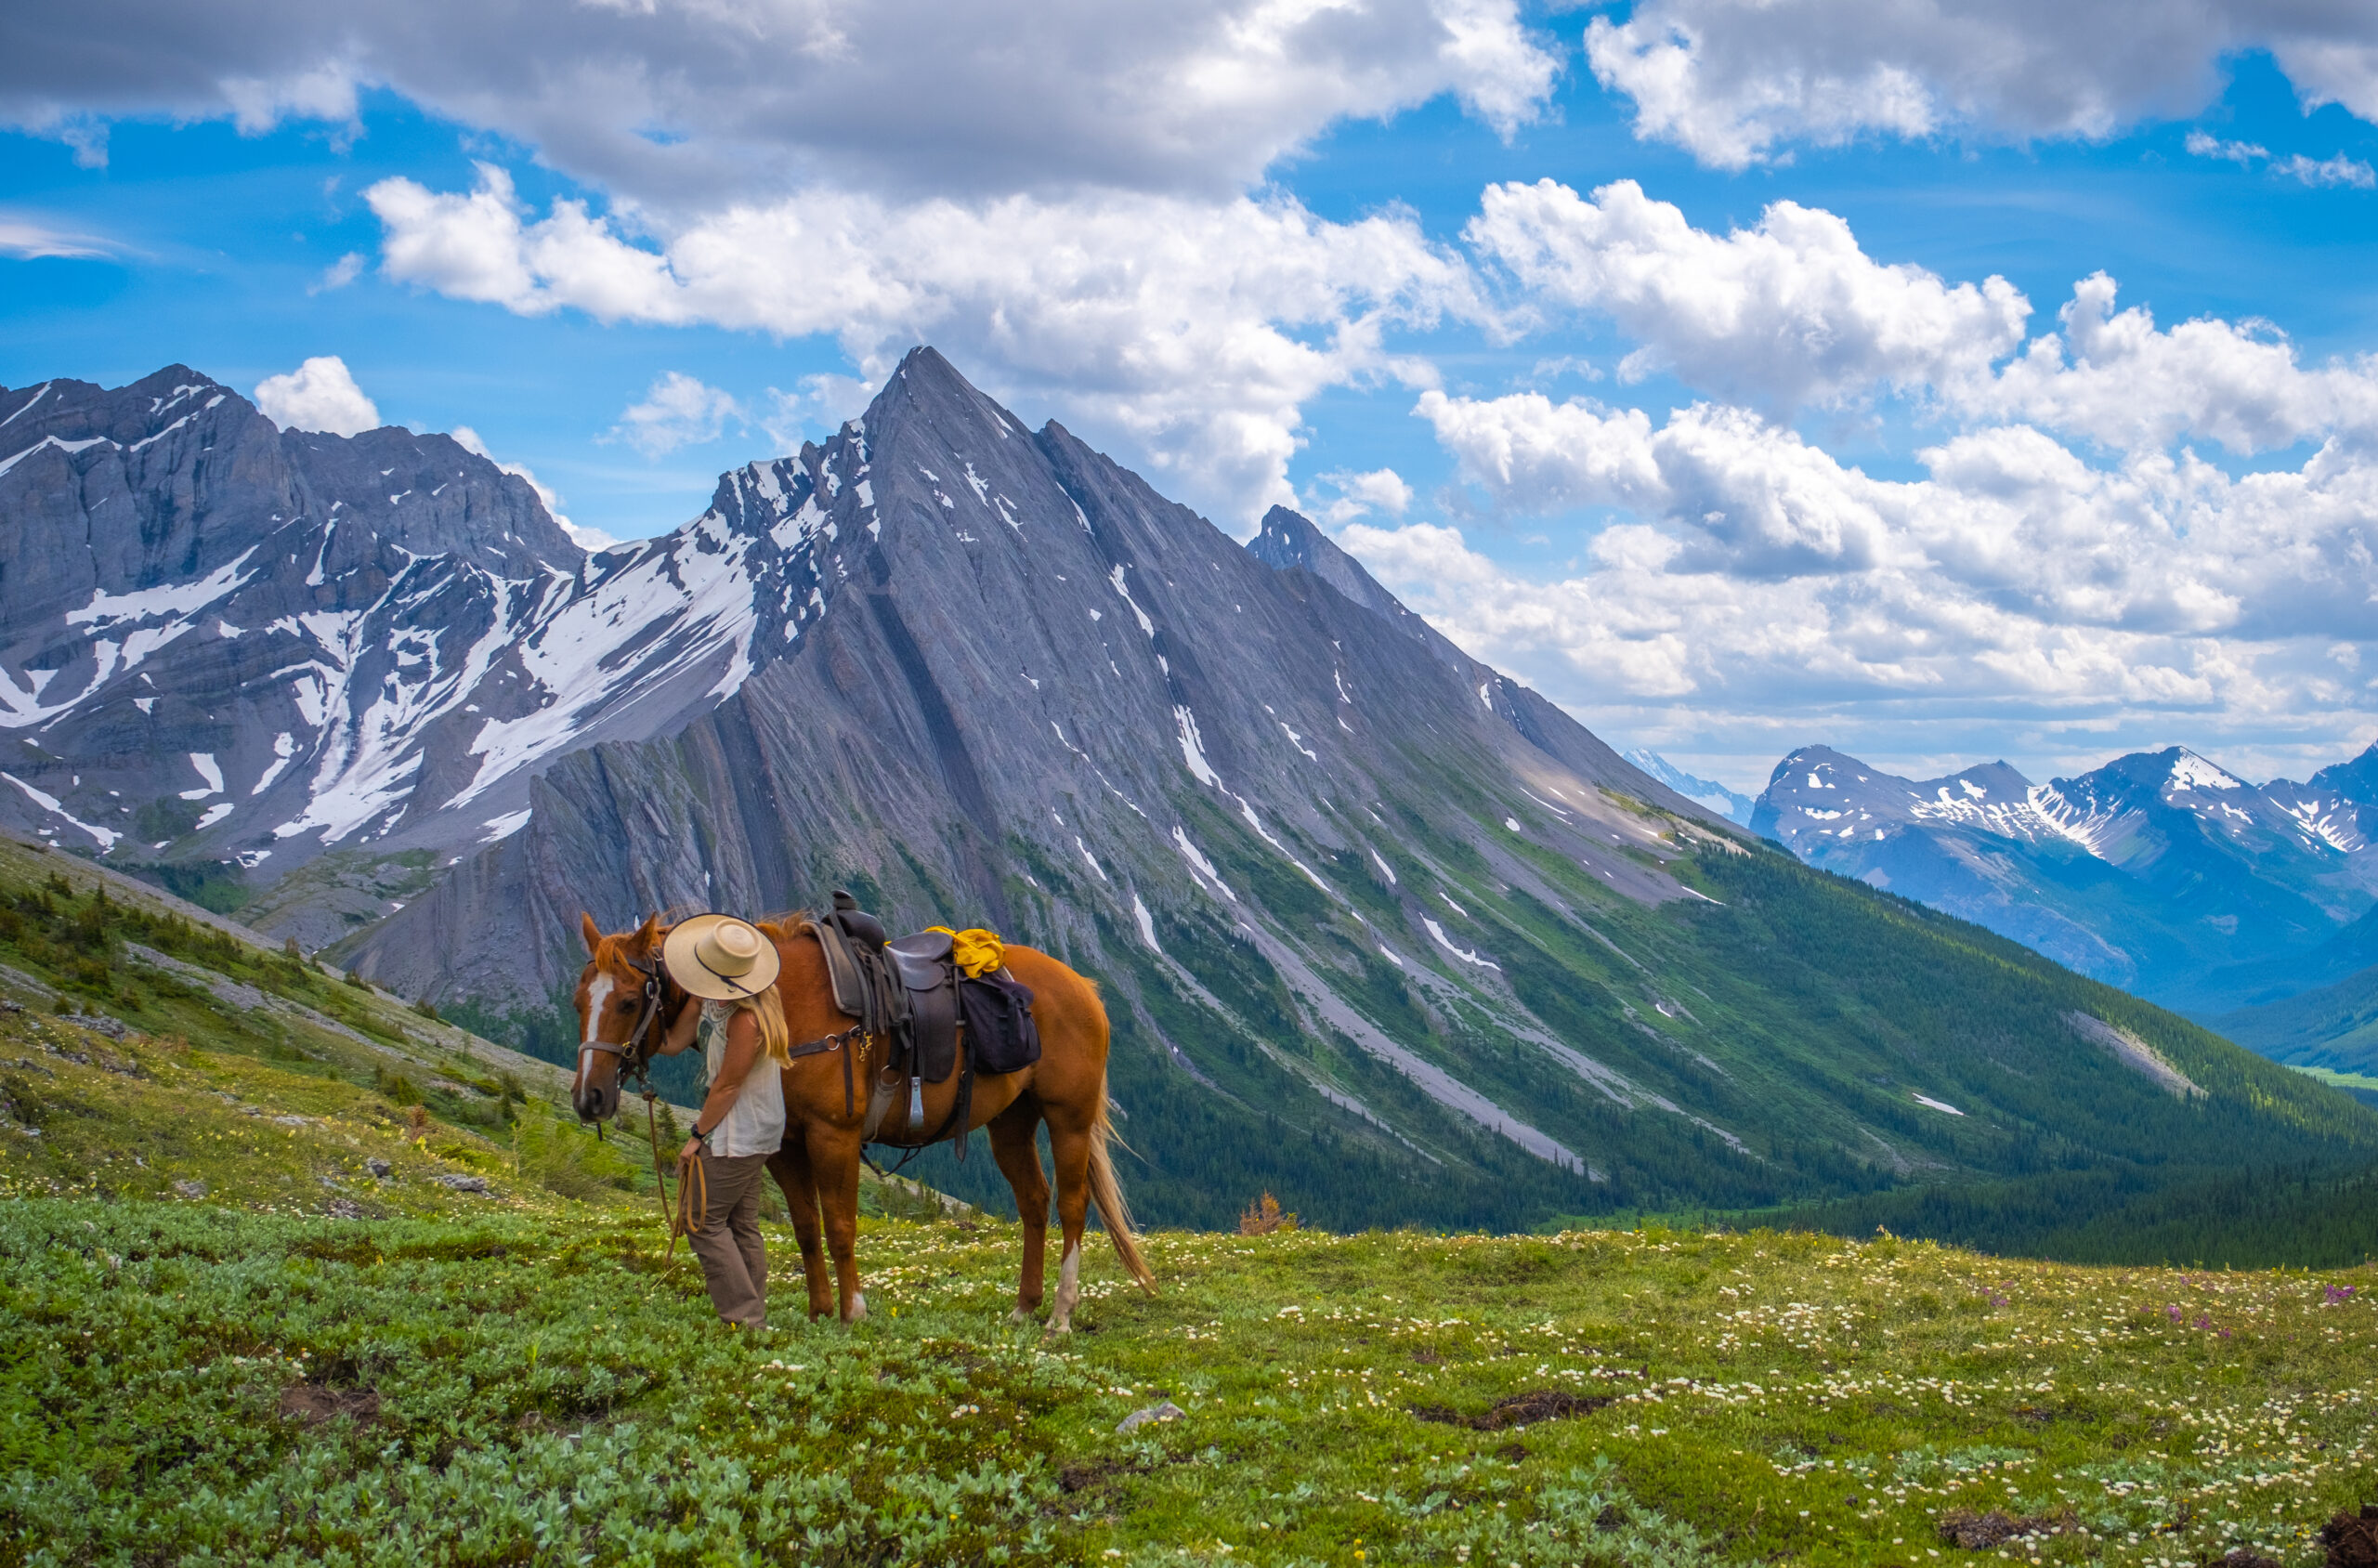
(825, 1111)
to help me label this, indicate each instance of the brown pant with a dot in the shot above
(735, 1260)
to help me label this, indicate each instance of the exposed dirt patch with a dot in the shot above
(1979, 1532)
(2243, 1556)
(1518, 1410)
(314, 1404)
(1091, 1473)
(2352, 1543)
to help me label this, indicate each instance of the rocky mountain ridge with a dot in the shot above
(375, 640)
(1377, 926)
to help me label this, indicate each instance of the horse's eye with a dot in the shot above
(627, 1007)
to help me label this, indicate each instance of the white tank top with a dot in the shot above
(754, 1124)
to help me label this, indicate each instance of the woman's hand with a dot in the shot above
(680, 1032)
(685, 1155)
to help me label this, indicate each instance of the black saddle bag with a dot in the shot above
(1000, 1035)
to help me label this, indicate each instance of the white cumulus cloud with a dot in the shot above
(340, 273)
(1190, 331)
(2068, 571)
(2242, 153)
(2112, 376)
(319, 395)
(1788, 312)
(2336, 170)
(683, 104)
(2011, 595)
(1362, 495)
(819, 401)
(1795, 312)
(1739, 81)
(678, 411)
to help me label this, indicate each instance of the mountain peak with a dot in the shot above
(2190, 771)
(1289, 541)
(927, 386)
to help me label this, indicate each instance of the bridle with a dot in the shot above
(635, 1054)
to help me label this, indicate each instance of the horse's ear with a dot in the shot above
(593, 933)
(647, 934)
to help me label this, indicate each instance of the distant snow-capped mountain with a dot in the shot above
(1730, 803)
(2160, 872)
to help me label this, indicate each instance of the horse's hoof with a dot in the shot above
(1057, 1327)
(1021, 1315)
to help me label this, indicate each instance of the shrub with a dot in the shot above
(1263, 1217)
(563, 1158)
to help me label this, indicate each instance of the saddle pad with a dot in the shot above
(842, 968)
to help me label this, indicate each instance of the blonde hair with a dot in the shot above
(767, 1011)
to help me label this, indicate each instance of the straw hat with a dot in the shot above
(719, 958)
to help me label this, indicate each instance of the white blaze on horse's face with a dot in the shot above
(592, 1102)
(597, 995)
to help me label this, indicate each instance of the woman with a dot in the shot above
(732, 967)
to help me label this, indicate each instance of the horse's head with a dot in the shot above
(625, 1002)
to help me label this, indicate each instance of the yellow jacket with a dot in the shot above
(978, 952)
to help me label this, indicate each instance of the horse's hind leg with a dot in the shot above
(789, 1166)
(1012, 1145)
(1070, 1145)
(834, 1157)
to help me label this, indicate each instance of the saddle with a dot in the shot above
(909, 991)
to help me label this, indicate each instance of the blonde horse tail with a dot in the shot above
(1107, 1194)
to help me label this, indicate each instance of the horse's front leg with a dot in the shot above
(834, 1162)
(789, 1166)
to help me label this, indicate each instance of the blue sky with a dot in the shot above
(1916, 553)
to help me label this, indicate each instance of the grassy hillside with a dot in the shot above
(144, 1043)
(251, 1324)
(1789, 1038)
(196, 1381)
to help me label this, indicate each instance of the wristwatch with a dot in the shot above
(700, 1137)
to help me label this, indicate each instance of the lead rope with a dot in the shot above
(682, 1220)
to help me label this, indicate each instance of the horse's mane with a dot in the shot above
(791, 924)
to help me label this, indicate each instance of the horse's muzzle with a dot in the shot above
(596, 1102)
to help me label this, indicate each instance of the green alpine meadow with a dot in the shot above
(296, 1274)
